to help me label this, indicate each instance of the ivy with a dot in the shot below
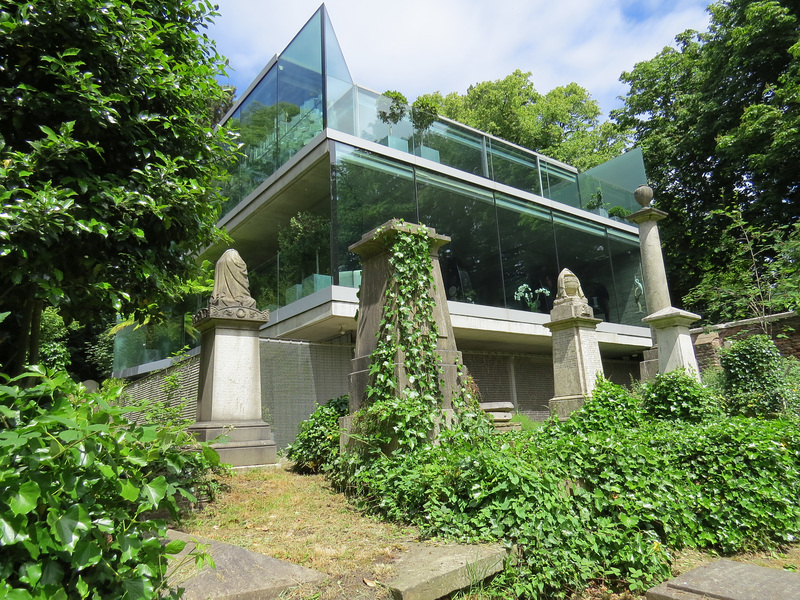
(79, 485)
(404, 395)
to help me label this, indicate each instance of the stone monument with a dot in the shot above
(373, 250)
(576, 353)
(229, 391)
(670, 325)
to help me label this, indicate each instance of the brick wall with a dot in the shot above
(784, 329)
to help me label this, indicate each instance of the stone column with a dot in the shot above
(229, 391)
(670, 325)
(576, 353)
(376, 274)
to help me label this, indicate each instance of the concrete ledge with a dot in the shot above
(730, 580)
(430, 572)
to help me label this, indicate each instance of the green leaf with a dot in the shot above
(155, 490)
(175, 547)
(129, 491)
(26, 498)
(68, 526)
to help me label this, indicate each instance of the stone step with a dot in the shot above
(729, 580)
(500, 417)
(497, 406)
(428, 572)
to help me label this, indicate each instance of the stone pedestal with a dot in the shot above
(375, 277)
(669, 324)
(675, 347)
(229, 394)
(576, 353)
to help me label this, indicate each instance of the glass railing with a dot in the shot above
(277, 283)
(449, 143)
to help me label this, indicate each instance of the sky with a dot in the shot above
(422, 46)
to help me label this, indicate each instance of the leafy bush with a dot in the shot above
(610, 406)
(317, 444)
(754, 377)
(77, 483)
(679, 396)
(602, 495)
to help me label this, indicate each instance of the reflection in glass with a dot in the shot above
(583, 249)
(559, 184)
(471, 261)
(515, 167)
(528, 254)
(370, 190)
(626, 261)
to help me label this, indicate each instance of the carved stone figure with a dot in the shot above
(569, 286)
(231, 295)
(570, 300)
(231, 285)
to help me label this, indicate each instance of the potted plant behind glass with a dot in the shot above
(423, 114)
(396, 107)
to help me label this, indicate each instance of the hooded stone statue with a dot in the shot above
(231, 284)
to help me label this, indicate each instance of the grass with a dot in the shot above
(299, 518)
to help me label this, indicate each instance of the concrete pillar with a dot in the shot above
(576, 353)
(229, 394)
(670, 325)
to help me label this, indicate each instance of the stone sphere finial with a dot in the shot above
(643, 195)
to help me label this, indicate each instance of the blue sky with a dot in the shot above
(420, 46)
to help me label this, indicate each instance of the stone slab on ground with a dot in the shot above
(428, 572)
(240, 574)
(730, 580)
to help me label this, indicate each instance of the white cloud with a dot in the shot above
(419, 46)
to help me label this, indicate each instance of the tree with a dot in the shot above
(108, 158)
(564, 123)
(717, 119)
(761, 276)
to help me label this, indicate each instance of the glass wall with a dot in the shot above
(370, 190)
(528, 252)
(280, 115)
(583, 249)
(504, 251)
(471, 261)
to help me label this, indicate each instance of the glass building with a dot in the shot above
(323, 161)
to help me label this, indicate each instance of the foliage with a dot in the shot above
(317, 444)
(760, 277)
(564, 123)
(678, 395)
(603, 495)
(404, 412)
(53, 350)
(100, 352)
(108, 157)
(755, 378)
(423, 114)
(395, 105)
(77, 485)
(717, 119)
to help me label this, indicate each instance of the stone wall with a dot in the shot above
(152, 387)
(784, 329)
(527, 380)
(296, 377)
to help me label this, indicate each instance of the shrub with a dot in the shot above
(679, 396)
(754, 377)
(77, 481)
(610, 406)
(317, 444)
